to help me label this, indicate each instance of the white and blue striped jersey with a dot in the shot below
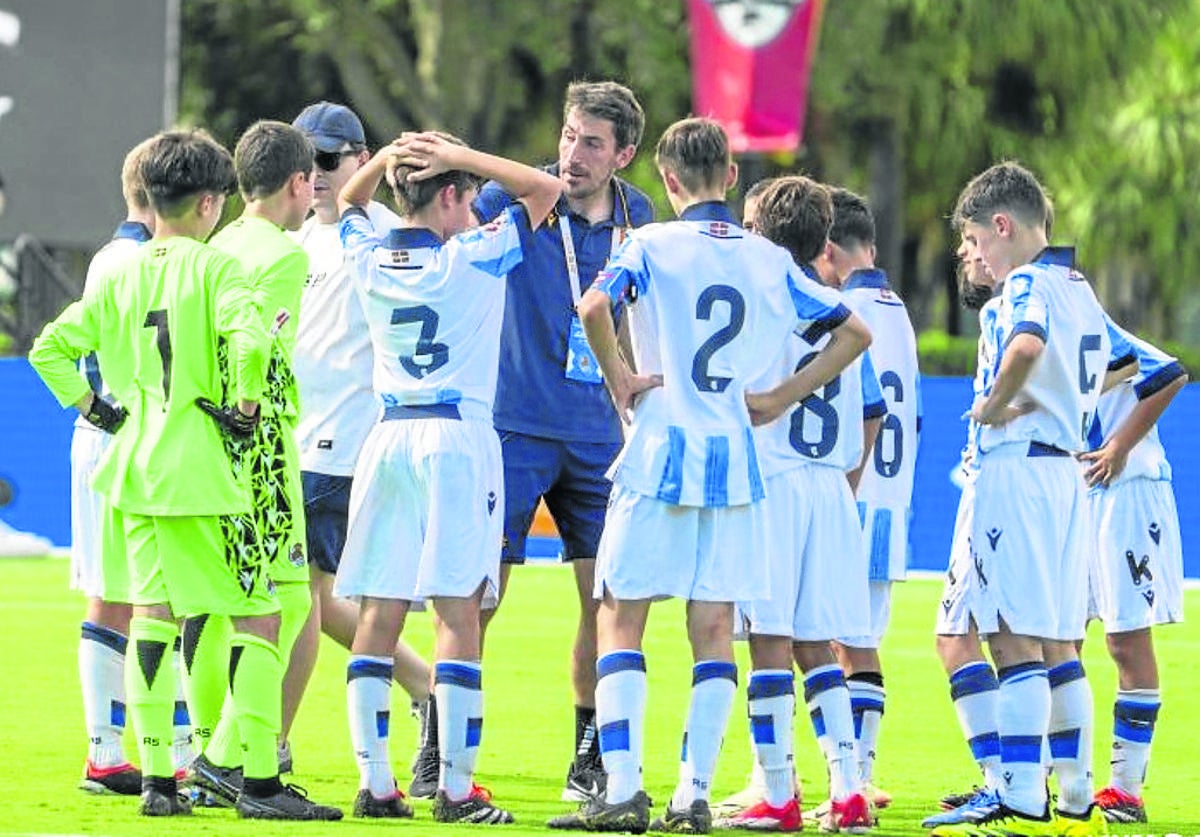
(434, 308)
(710, 308)
(1156, 369)
(826, 428)
(887, 479)
(1051, 300)
(985, 360)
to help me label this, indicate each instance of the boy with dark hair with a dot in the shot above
(684, 520)
(1031, 528)
(558, 430)
(274, 167)
(429, 475)
(156, 322)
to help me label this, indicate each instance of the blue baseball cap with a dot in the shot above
(331, 127)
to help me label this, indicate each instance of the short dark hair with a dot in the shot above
(1005, 187)
(133, 189)
(609, 101)
(267, 155)
(853, 224)
(696, 150)
(413, 196)
(796, 212)
(758, 188)
(182, 164)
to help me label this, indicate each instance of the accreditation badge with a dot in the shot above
(581, 362)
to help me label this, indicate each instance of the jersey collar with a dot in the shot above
(1061, 256)
(708, 211)
(866, 277)
(135, 230)
(411, 238)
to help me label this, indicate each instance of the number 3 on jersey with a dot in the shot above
(438, 353)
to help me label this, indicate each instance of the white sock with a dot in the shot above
(1134, 715)
(368, 703)
(181, 747)
(866, 702)
(771, 703)
(1023, 719)
(828, 702)
(974, 689)
(714, 684)
(102, 678)
(458, 690)
(1072, 718)
(620, 713)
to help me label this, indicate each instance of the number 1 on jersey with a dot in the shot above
(157, 320)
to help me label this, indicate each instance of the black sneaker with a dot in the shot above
(586, 779)
(956, 800)
(476, 808)
(123, 780)
(632, 815)
(697, 819)
(155, 803)
(426, 768)
(220, 786)
(291, 803)
(366, 804)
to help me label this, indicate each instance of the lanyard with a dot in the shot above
(564, 229)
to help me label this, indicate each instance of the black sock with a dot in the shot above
(586, 741)
(429, 725)
(262, 788)
(165, 785)
(875, 678)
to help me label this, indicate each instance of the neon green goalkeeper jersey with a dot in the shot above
(276, 268)
(156, 323)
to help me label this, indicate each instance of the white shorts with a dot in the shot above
(814, 557)
(1136, 569)
(87, 515)
(879, 612)
(1029, 542)
(655, 550)
(885, 541)
(954, 615)
(426, 512)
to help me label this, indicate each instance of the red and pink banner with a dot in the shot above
(750, 68)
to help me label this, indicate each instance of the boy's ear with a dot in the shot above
(731, 176)
(298, 181)
(1003, 224)
(670, 181)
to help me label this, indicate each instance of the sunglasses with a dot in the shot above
(330, 160)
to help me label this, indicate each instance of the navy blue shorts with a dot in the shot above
(570, 476)
(327, 512)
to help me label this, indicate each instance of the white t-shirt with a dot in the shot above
(332, 358)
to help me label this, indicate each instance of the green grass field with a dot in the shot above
(526, 743)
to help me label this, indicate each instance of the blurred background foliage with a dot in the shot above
(908, 99)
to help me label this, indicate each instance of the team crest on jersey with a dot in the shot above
(1155, 533)
(718, 229)
(753, 23)
(296, 556)
(1148, 595)
(401, 257)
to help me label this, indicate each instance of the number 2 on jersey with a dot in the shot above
(438, 353)
(158, 321)
(721, 337)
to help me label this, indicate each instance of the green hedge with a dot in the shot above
(945, 354)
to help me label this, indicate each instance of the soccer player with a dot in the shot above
(1029, 533)
(273, 162)
(332, 360)
(97, 569)
(1137, 565)
(884, 491)
(685, 519)
(816, 593)
(973, 683)
(557, 426)
(428, 494)
(156, 322)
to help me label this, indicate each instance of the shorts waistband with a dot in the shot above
(1029, 449)
(409, 412)
(1042, 449)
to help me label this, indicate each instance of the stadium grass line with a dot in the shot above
(529, 719)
